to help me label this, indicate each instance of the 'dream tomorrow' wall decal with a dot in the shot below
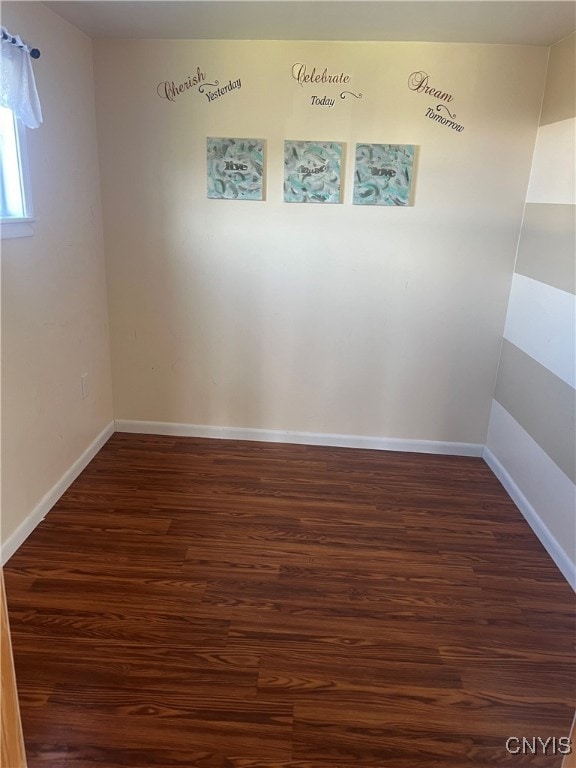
(420, 82)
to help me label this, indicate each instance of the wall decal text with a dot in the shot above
(170, 90)
(443, 120)
(303, 76)
(231, 85)
(419, 82)
(325, 101)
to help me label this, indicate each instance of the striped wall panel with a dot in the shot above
(539, 478)
(548, 244)
(532, 432)
(552, 175)
(541, 403)
(540, 322)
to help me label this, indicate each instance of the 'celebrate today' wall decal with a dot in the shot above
(318, 79)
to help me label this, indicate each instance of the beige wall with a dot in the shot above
(334, 318)
(54, 310)
(560, 94)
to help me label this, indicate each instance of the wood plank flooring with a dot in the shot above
(199, 603)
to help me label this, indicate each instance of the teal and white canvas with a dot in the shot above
(312, 171)
(235, 169)
(383, 174)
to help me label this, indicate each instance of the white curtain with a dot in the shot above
(17, 85)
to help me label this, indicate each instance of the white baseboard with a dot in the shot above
(301, 438)
(548, 541)
(47, 502)
(304, 438)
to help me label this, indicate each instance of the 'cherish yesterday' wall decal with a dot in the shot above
(169, 90)
(232, 85)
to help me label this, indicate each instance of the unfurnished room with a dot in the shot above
(288, 383)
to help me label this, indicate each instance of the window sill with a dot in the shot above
(10, 228)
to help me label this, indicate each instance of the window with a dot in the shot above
(15, 203)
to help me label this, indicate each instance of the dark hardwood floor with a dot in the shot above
(218, 604)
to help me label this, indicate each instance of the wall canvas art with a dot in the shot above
(383, 174)
(235, 169)
(312, 171)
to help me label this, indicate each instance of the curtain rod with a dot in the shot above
(17, 40)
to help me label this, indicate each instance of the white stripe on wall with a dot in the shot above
(541, 321)
(549, 493)
(552, 179)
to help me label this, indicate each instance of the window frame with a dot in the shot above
(10, 226)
